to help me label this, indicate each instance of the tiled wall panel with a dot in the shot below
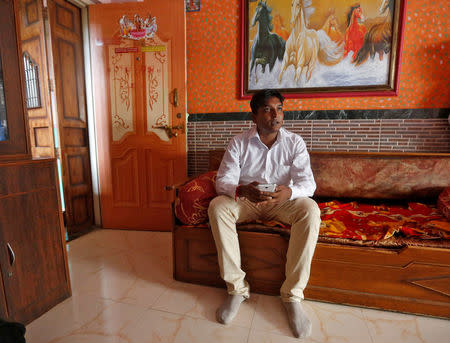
(372, 135)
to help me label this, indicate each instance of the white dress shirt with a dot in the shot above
(247, 159)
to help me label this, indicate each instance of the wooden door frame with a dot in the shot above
(90, 113)
(82, 5)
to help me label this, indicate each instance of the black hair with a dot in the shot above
(260, 98)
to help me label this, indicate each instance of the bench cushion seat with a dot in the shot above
(353, 220)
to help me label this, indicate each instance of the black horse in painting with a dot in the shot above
(267, 46)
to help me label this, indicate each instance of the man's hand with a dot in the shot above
(281, 194)
(252, 193)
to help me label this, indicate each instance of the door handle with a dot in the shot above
(170, 129)
(12, 256)
(175, 97)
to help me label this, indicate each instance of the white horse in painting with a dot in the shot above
(305, 47)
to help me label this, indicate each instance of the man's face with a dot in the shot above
(269, 117)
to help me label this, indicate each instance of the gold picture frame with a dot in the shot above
(321, 48)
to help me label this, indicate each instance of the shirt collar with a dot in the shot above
(254, 134)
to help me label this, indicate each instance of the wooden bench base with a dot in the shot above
(408, 279)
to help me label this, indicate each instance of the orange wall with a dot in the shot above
(213, 61)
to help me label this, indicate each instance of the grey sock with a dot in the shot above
(298, 319)
(226, 313)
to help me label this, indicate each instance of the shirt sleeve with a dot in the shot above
(303, 184)
(229, 171)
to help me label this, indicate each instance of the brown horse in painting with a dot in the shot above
(378, 37)
(331, 28)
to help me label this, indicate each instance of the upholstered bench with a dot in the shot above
(401, 263)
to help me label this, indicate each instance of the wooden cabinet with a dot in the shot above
(33, 262)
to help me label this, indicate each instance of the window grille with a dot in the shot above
(32, 85)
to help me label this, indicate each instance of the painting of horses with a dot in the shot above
(316, 48)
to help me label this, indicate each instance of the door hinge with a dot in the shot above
(44, 12)
(51, 86)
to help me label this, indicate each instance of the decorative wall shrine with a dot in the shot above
(138, 28)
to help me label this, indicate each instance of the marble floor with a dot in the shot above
(123, 292)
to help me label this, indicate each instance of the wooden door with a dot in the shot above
(68, 67)
(139, 88)
(36, 78)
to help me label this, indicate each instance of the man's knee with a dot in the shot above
(218, 205)
(307, 208)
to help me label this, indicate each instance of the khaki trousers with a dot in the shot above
(302, 214)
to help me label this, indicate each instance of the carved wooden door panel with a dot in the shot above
(36, 78)
(68, 66)
(139, 90)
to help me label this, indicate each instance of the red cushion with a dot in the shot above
(191, 205)
(443, 203)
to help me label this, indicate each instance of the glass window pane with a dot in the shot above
(3, 119)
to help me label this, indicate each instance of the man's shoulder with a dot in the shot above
(244, 135)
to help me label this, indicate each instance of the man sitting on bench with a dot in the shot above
(266, 174)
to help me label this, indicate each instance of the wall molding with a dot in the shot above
(407, 113)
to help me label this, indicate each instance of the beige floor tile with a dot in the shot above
(157, 243)
(65, 318)
(398, 327)
(337, 323)
(112, 320)
(202, 302)
(268, 337)
(132, 277)
(89, 338)
(330, 323)
(158, 326)
(106, 327)
(124, 292)
(96, 243)
(107, 242)
(81, 269)
(270, 316)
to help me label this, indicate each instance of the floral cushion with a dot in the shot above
(191, 205)
(443, 202)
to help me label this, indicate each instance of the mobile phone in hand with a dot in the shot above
(267, 187)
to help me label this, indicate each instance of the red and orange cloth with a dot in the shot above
(375, 222)
(350, 220)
